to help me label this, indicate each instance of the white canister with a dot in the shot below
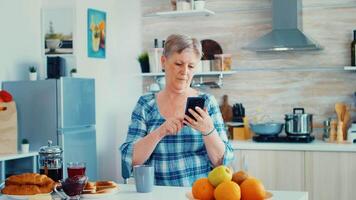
(199, 67)
(155, 59)
(199, 5)
(183, 5)
(206, 65)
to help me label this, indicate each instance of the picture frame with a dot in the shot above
(96, 33)
(57, 30)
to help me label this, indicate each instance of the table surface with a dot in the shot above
(128, 191)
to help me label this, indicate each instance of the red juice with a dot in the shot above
(75, 170)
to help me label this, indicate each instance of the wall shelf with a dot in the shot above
(350, 68)
(212, 73)
(183, 13)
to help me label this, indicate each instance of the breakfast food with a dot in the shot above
(28, 184)
(99, 187)
(203, 190)
(105, 184)
(239, 177)
(223, 184)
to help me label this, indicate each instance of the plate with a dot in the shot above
(113, 191)
(210, 48)
(26, 197)
(189, 195)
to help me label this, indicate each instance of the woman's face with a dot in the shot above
(180, 68)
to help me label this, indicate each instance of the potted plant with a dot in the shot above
(144, 62)
(25, 146)
(32, 73)
(73, 72)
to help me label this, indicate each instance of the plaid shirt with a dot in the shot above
(178, 159)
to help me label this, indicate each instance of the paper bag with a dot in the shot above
(8, 128)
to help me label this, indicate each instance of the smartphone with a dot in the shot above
(193, 102)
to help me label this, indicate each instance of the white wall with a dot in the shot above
(118, 83)
(20, 38)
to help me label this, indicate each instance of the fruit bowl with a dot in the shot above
(189, 195)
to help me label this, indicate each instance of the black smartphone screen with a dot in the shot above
(192, 102)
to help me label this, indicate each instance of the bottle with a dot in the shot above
(155, 57)
(353, 44)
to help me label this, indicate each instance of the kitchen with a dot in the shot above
(271, 84)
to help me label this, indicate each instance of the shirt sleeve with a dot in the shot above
(137, 129)
(215, 114)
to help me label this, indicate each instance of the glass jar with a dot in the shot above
(51, 161)
(222, 62)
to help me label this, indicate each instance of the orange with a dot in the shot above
(239, 177)
(252, 189)
(203, 190)
(227, 190)
(102, 25)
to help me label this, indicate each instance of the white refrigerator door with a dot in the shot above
(76, 102)
(79, 145)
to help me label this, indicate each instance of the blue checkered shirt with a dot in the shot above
(179, 159)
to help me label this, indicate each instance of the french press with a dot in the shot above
(51, 161)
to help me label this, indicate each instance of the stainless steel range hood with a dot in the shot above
(286, 34)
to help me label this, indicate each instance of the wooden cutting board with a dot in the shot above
(8, 128)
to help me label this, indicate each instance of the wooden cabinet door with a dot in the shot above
(279, 170)
(331, 175)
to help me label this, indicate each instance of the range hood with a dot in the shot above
(286, 34)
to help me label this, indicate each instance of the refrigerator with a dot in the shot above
(61, 110)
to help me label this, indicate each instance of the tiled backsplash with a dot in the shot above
(310, 79)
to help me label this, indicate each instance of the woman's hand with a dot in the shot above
(171, 126)
(203, 122)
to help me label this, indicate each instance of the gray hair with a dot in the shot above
(177, 43)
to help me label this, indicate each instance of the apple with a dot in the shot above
(219, 174)
(5, 96)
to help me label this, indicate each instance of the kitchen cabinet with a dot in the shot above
(326, 171)
(278, 170)
(330, 175)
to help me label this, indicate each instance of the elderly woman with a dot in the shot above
(180, 148)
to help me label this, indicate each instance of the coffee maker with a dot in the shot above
(55, 67)
(51, 161)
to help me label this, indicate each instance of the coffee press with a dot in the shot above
(51, 161)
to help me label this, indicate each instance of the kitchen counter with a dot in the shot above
(316, 145)
(128, 191)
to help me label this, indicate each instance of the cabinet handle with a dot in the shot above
(244, 163)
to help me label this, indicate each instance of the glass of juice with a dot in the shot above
(75, 168)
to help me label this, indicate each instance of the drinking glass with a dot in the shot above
(76, 168)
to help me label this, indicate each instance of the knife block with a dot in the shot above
(241, 132)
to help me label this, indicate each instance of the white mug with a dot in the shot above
(53, 43)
